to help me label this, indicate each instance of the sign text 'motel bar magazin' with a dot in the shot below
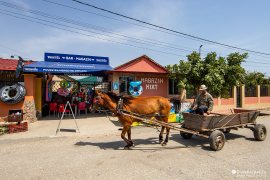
(71, 58)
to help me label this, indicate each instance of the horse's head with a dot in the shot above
(104, 99)
(100, 98)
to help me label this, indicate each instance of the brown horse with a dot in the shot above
(140, 105)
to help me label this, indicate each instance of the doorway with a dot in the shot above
(124, 84)
(238, 97)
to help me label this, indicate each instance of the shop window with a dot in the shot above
(8, 78)
(173, 88)
(264, 90)
(250, 91)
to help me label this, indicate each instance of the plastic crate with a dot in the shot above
(15, 128)
(14, 116)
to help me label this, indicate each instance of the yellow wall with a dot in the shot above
(38, 94)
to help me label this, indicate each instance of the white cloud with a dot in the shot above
(61, 41)
(57, 40)
(21, 3)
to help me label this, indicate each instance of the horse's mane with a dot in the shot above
(115, 97)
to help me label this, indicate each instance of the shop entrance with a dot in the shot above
(80, 94)
(124, 84)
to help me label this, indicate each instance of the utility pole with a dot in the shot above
(200, 49)
(19, 68)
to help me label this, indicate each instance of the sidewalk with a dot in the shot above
(90, 125)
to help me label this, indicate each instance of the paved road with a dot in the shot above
(102, 157)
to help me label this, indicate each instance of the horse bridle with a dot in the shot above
(119, 106)
(96, 99)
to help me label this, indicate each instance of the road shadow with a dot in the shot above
(203, 143)
(78, 117)
(232, 136)
(116, 123)
(149, 144)
(195, 141)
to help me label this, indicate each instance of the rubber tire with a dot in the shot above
(260, 132)
(21, 92)
(184, 134)
(217, 140)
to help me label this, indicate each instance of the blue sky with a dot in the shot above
(243, 23)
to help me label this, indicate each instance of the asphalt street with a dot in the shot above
(103, 157)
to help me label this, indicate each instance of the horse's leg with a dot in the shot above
(161, 134)
(123, 134)
(164, 143)
(129, 136)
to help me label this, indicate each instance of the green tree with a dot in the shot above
(216, 72)
(255, 78)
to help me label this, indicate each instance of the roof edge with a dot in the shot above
(138, 58)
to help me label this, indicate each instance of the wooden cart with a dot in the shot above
(215, 125)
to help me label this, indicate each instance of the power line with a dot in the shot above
(98, 28)
(66, 20)
(11, 49)
(100, 38)
(95, 27)
(120, 20)
(92, 31)
(136, 24)
(170, 30)
(111, 18)
(49, 25)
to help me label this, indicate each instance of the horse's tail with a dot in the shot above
(165, 106)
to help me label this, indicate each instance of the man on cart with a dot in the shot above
(204, 102)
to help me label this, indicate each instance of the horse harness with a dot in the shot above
(119, 106)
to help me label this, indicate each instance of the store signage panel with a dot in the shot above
(151, 83)
(71, 58)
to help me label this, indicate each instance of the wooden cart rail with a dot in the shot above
(219, 121)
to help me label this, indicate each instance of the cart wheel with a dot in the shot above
(260, 132)
(217, 140)
(184, 134)
(226, 131)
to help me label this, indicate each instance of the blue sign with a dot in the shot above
(71, 58)
(65, 68)
(115, 85)
(135, 88)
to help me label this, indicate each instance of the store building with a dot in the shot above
(153, 76)
(39, 76)
(31, 83)
(38, 83)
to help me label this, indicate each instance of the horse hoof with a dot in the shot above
(163, 144)
(127, 147)
(160, 141)
(132, 144)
